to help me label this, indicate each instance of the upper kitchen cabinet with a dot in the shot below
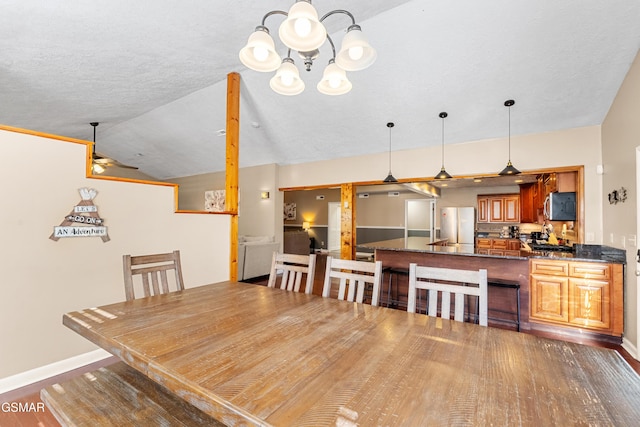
(499, 208)
(532, 195)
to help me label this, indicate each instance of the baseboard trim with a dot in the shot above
(26, 378)
(630, 348)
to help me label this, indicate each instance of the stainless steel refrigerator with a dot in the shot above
(458, 225)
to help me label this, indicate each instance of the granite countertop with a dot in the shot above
(590, 253)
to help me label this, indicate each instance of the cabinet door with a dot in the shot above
(549, 298)
(513, 245)
(527, 207)
(589, 304)
(483, 210)
(496, 210)
(566, 181)
(511, 209)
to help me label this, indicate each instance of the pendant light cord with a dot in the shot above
(390, 125)
(443, 141)
(509, 133)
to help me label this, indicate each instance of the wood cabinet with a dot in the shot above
(533, 195)
(499, 208)
(490, 246)
(528, 212)
(577, 294)
(483, 210)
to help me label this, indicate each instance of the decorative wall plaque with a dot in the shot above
(83, 220)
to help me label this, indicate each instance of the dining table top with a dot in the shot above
(251, 355)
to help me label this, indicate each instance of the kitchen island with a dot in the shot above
(577, 295)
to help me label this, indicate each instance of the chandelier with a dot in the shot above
(304, 33)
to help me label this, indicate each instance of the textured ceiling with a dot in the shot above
(153, 73)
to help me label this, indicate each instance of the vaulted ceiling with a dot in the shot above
(154, 74)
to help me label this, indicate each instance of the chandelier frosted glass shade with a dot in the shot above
(259, 54)
(287, 79)
(356, 53)
(302, 30)
(334, 81)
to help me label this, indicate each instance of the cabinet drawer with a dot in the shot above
(499, 244)
(483, 243)
(589, 270)
(551, 268)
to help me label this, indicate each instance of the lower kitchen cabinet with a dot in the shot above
(577, 294)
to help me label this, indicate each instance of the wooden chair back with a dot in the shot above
(152, 270)
(353, 277)
(293, 267)
(447, 281)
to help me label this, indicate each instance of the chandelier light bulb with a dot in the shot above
(334, 80)
(302, 30)
(287, 79)
(356, 52)
(302, 27)
(260, 53)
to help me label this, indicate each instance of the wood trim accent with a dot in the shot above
(347, 222)
(232, 177)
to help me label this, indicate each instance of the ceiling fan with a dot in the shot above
(100, 163)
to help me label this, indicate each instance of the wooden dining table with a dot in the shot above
(251, 355)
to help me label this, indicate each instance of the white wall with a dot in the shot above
(620, 140)
(43, 279)
(571, 147)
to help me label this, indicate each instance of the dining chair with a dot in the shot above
(152, 270)
(353, 277)
(447, 281)
(292, 267)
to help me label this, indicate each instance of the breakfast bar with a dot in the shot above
(577, 293)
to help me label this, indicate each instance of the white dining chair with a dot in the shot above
(290, 268)
(352, 278)
(447, 281)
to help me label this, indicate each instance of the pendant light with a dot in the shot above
(390, 178)
(443, 173)
(510, 169)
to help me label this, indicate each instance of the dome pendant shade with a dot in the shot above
(356, 53)
(302, 30)
(443, 173)
(287, 79)
(509, 169)
(390, 178)
(259, 54)
(334, 81)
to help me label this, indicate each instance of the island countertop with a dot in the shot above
(589, 253)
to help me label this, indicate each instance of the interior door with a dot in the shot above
(333, 233)
(419, 217)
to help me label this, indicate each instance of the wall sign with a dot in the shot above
(83, 220)
(618, 196)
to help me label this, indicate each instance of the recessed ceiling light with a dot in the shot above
(221, 132)
(477, 180)
(518, 180)
(445, 185)
(255, 124)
